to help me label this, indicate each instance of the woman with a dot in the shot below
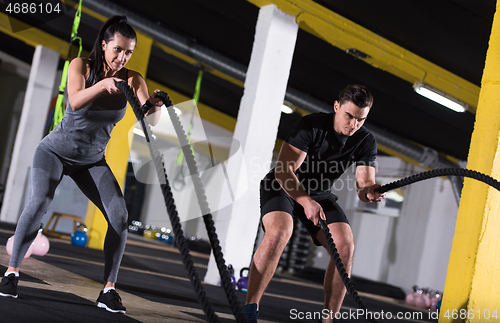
(76, 148)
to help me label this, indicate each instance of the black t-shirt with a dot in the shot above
(328, 154)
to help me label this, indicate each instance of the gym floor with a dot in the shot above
(63, 285)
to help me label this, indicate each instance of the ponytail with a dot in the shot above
(115, 24)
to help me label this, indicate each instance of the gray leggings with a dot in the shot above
(97, 182)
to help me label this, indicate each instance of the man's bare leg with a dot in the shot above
(278, 230)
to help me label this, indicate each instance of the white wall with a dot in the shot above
(14, 75)
(440, 231)
(30, 130)
(420, 241)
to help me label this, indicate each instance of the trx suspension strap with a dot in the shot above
(196, 98)
(59, 109)
(179, 181)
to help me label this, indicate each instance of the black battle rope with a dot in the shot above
(438, 173)
(172, 211)
(340, 267)
(169, 202)
(204, 208)
(391, 186)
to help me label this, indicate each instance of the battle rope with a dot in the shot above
(172, 211)
(438, 173)
(341, 269)
(391, 186)
(169, 202)
(205, 210)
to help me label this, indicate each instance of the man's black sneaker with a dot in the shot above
(8, 286)
(251, 313)
(110, 301)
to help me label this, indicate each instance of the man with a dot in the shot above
(315, 154)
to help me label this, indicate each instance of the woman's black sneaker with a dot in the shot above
(110, 301)
(8, 286)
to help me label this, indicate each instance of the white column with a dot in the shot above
(256, 131)
(30, 131)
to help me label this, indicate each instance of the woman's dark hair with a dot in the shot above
(115, 24)
(357, 94)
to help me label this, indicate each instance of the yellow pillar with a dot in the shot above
(472, 289)
(117, 151)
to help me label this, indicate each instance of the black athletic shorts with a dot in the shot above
(274, 198)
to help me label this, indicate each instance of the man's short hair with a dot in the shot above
(357, 94)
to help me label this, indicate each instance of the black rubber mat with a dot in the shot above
(40, 305)
(159, 276)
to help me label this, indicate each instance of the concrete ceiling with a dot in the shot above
(448, 35)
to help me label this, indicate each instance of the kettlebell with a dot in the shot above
(79, 237)
(410, 297)
(165, 237)
(150, 232)
(438, 305)
(243, 281)
(231, 275)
